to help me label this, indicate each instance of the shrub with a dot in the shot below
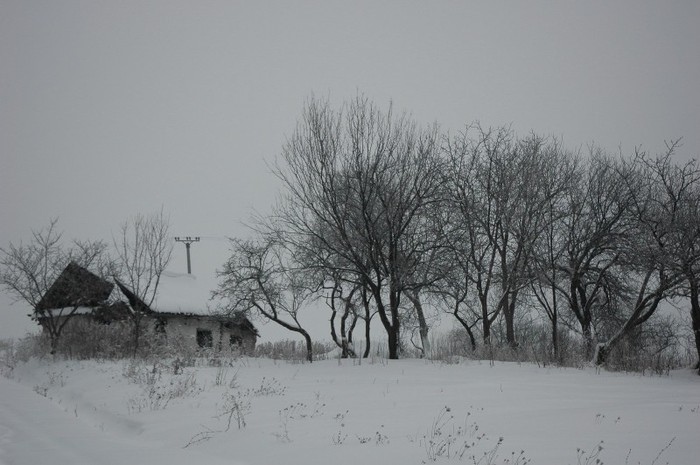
(84, 339)
(292, 350)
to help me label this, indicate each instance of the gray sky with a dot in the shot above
(108, 109)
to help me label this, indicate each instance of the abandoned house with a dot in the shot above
(179, 312)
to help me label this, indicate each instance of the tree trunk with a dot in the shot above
(509, 313)
(465, 325)
(54, 343)
(342, 341)
(391, 321)
(642, 311)
(272, 316)
(555, 337)
(368, 318)
(334, 334)
(422, 323)
(485, 321)
(345, 338)
(580, 307)
(393, 344)
(600, 357)
(587, 337)
(395, 329)
(508, 299)
(367, 335)
(695, 316)
(555, 323)
(351, 329)
(309, 346)
(486, 329)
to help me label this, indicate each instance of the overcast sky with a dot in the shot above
(113, 108)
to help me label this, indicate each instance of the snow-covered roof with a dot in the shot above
(182, 293)
(64, 311)
(177, 293)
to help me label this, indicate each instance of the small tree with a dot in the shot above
(27, 272)
(143, 249)
(260, 276)
(453, 291)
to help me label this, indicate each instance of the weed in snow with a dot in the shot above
(445, 439)
(269, 387)
(42, 390)
(298, 411)
(340, 437)
(380, 438)
(592, 457)
(56, 378)
(221, 375)
(138, 372)
(656, 459)
(53, 379)
(236, 407)
(158, 392)
(695, 409)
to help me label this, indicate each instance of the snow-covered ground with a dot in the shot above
(258, 411)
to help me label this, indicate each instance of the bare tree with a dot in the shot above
(563, 173)
(582, 261)
(500, 187)
(659, 192)
(28, 271)
(475, 219)
(358, 182)
(261, 276)
(543, 176)
(453, 292)
(687, 256)
(681, 183)
(670, 216)
(143, 250)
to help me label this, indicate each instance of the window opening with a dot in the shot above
(204, 338)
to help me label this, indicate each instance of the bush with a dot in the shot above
(31, 346)
(292, 350)
(653, 347)
(85, 339)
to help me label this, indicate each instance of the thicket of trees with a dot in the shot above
(387, 219)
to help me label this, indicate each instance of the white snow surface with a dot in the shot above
(344, 412)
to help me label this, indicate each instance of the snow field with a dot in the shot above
(259, 411)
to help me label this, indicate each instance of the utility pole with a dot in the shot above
(187, 241)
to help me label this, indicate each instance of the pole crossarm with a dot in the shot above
(188, 240)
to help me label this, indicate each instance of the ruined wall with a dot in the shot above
(206, 332)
